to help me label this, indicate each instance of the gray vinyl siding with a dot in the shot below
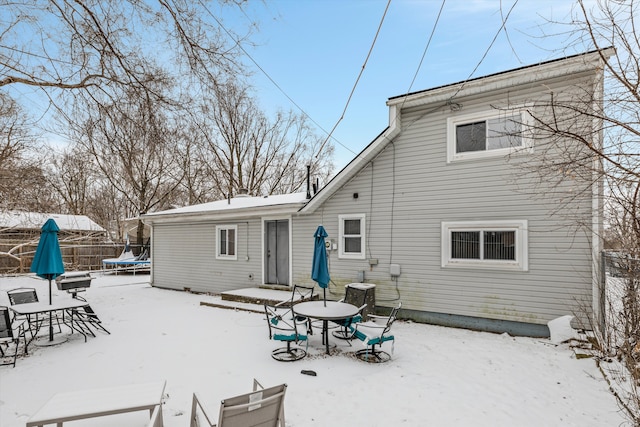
(184, 256)
(409, 189)
(405, 193)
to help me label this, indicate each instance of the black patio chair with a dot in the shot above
(284, 328)
(358, 298)
(299, 294)
(27, 296)
(87, 317)
(22, 296)
(10, 334)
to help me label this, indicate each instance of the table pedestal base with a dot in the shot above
(46, 342)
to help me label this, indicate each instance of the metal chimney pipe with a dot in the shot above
(308, 184)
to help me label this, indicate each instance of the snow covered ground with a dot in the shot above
(438, 376)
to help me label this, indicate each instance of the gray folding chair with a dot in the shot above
(264, 407)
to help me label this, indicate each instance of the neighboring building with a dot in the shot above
(82, 240)
(440, 211)
(19, 225)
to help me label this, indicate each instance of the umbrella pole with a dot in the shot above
(324, 291)
(50, 314)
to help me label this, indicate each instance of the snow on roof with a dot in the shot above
(35, 220)
(238, 202)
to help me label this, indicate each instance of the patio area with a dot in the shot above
(437, 376)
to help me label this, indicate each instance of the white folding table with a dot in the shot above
(83, 404)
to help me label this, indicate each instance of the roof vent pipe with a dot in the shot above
(308, 184)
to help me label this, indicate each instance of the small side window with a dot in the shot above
(226, 241)
(352, 237)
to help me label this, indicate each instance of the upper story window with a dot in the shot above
(226, 243)
(485, 244)
(352, 238)
(494, 133)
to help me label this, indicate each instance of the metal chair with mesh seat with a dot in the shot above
(373, 335)
(27, 296)
(355, 297)
(22, 296)
(10, 334)
(299, 294)
(87, 317)
(283, 327)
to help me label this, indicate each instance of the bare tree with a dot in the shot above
(106, 206)
(74, 44)
(15, 132)
(572, 124)
(247, 150)
(196, 186)
(15, 141)
(71, 175)
(132, 143)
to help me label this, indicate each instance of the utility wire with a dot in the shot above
(486, 52)
(237, 42)
(424, 54)
(426, 48)
(462, 84)
(357, 80)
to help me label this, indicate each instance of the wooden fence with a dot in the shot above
(76, 257)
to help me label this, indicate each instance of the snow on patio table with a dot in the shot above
(438, 376)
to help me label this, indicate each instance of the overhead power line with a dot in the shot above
(237, 42)
(375, 38)
(426, 48)
(486, 52)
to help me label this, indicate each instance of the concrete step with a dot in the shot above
(249, 299)
(256, 295)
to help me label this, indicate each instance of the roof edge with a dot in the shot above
(596, 55)
(396, 103)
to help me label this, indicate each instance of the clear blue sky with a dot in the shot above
(315, 49)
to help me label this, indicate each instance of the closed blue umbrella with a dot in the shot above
(47, 262)
(320, 267)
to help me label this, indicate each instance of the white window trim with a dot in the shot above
(452, 122)
(521, 228)
(351, 255)
(226, 227)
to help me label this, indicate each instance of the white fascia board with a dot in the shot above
(226, 215)
(563, 67)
